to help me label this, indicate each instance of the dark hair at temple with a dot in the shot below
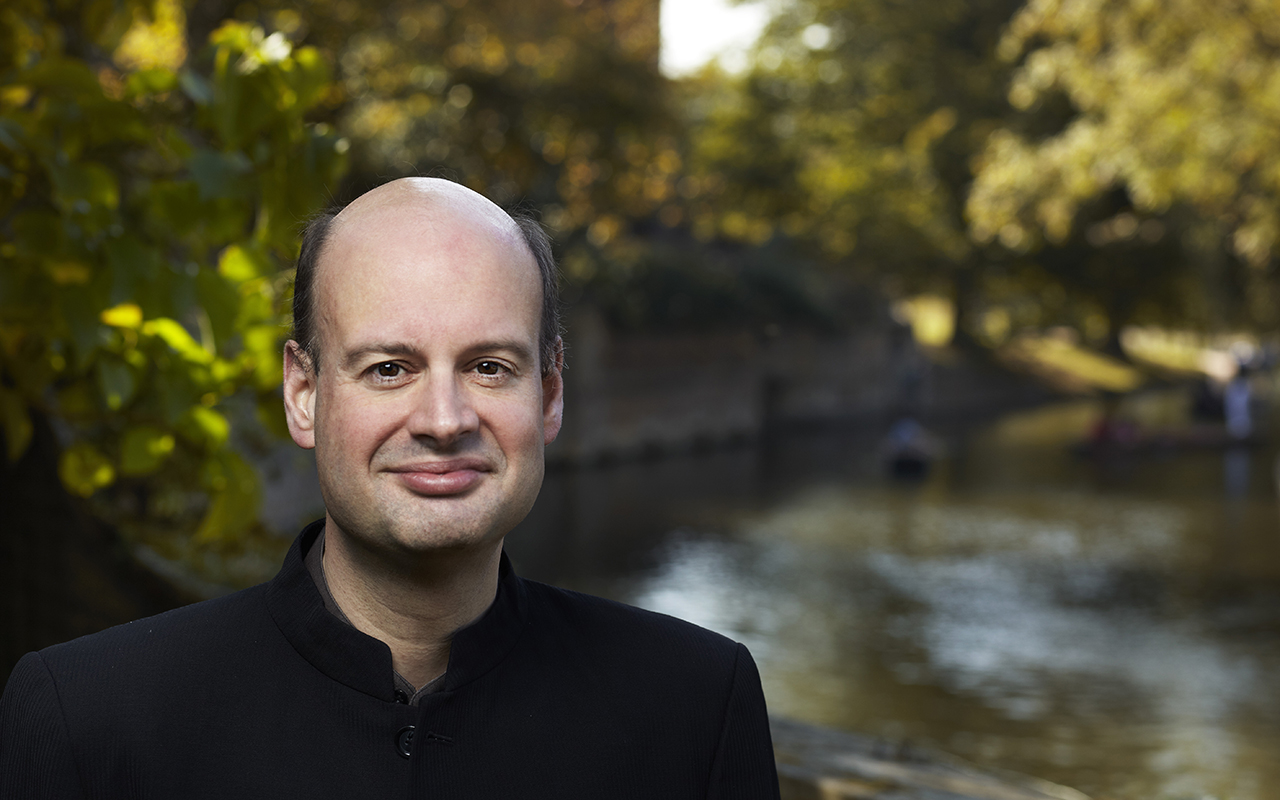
(539, 244)
(316, 236)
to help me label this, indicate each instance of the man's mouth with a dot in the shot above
(441, 478)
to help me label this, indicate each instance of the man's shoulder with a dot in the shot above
(610, 627)
(183, 638)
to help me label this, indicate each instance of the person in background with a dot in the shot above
(1236, 400)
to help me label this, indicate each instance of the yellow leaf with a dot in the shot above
(125, 315)
(143, 449)
(84, 470)
(240, 264)
(176, 336)
(210, 425)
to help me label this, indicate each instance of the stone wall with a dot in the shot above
(643, 394)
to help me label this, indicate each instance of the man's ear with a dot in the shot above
(299, 394)
(553, 396)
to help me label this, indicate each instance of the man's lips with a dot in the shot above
(441, 478)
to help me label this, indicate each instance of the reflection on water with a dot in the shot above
(1111, 626)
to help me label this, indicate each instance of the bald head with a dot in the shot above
(419, 207)
(427, 203)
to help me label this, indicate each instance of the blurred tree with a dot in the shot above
(555, 104)
(1126, 176)
(1168, 157)
(853, 131)
(149, 207)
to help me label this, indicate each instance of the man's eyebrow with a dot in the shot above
(519, 350)
(352, 358)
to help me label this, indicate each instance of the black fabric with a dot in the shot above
(264, 693)
(314, 562)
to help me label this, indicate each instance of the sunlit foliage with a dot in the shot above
(1059, 162)
(852, 130)
(149, 207)
(1177, 102)
(557, 104)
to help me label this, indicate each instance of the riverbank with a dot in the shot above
(653, 394)
(816, 763)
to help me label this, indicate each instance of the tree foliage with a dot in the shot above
(1174, 105)
(149, 208)
(556, 104)
(1176, 101)
(1062, 161)
(852, 130)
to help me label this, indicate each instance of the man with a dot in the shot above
(397, 654)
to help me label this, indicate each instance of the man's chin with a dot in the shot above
(425, 533)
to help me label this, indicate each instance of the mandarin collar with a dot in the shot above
(362, 662)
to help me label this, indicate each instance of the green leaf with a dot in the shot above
(235, 501)
(143, 449)
(17, 424)
(113, 122)
(80, 187)
(84, 470)
(206, 426)
(220, 301)
(176, 336)
(262, 347)
(172, 208)
(63, 77)
(77, 401)
(175, 391)
(309, 77)
(234, 35)
(81, 315)
(241, 264)
(221, 174)
(156, 80)
(106, 21)
(134, 267)
(117, 382)
(248, 85)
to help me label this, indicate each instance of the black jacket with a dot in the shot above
(264, 693)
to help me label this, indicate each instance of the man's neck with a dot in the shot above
(414, 608)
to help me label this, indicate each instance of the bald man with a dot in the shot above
(397, 653)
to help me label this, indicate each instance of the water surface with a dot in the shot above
(1110, 624)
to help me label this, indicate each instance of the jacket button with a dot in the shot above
(404, 740)
(401, 697)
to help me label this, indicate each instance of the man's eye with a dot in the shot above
(490, 368)
(388, 370)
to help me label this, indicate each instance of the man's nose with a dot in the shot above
(443, 410)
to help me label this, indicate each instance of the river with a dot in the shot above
(1112, 625)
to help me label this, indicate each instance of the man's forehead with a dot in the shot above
(389, 241)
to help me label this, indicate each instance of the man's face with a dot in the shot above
(429, 413)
